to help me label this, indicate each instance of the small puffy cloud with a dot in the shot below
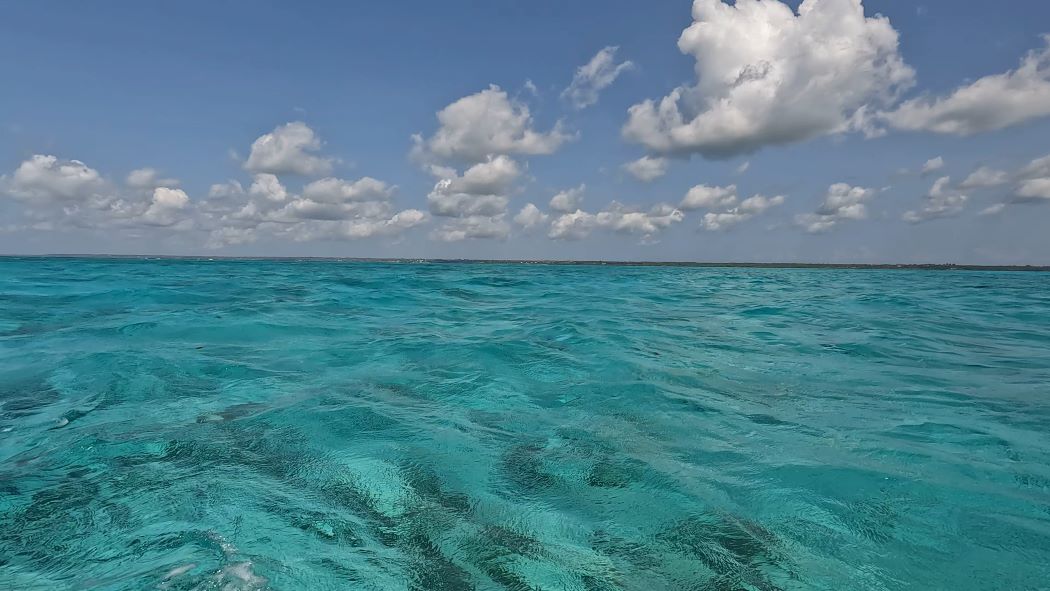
(444, 203)
(748, 208)
(530, 217)
(494, 176)
(708, 197)
(289, 149)
(230, 188)
(333, 190)
(841, 202)
(358, 220)
(647, 168)
(743, 167)
(941, 201)
(1034, 190)
(473, 227)
(46, 178)
(622, 219)
(395, 224)
(148, 178)
(594, 76)
(932, 165)
(307, 209)
(166, 206)
(579, 224)
(576, 225)
(988, 104)
(984, 177)
(569, 200)
(230, 236)
(488, 123)
(1040, 167)
(1034, 185)
(1031, 183)
(767, 75)
(482, 190)
(269, 187)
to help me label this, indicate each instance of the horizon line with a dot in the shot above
(587, 262)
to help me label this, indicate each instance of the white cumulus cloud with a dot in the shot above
(1040, 167)
(647, 168)
(984, 177)
(941, 201)
(1035, 190)
(616, 217)
(269, 187)
(569, 200)
(841, 202)
(482, 190)
(990, 103)
(484, 124)
(530, 217)
(327, 209)
(473, 227)
(288, 149)
(932, 165)
(45, 177)
(708, 197)
(166, 206)
(646, 224)
(334, 190)
(572, 226)
(748, 208)
(148, 178)
(767, 75)
(60, 194)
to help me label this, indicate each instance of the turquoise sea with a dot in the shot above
(293, 425)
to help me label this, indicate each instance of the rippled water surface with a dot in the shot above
(192, 425)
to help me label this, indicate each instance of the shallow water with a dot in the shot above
(344, 425)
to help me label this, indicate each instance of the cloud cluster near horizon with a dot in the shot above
(766, 75)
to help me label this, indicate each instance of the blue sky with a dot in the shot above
(826, 113)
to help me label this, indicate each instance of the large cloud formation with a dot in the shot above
(330, 209)
(62, 194)
(767, 75)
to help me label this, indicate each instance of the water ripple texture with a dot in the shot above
(284, 425)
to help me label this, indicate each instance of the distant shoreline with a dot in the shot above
(765, 265)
